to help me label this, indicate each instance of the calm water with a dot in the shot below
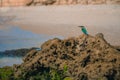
(15, 38)
(9, 61)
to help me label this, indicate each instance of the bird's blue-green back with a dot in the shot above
(84, 30)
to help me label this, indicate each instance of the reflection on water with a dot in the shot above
(9, 61)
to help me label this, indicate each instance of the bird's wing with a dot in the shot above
(84, 30)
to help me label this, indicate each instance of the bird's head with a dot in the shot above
(81, 26)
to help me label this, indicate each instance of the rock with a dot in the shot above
(87, 58)
(96, 1)
(83, 2)
(10, 3)
(55, 2)
(112, 1)
(117, 47)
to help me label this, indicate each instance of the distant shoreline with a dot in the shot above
(15, 52)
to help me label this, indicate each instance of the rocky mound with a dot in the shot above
(87, 58)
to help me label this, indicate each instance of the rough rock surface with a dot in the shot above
(87, 58)
(10, 3)
(55, 2)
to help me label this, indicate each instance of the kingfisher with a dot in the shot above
(84, 30)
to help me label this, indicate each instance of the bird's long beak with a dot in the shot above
(80, 26)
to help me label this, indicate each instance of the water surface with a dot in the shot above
(15, 38)
(9, 61)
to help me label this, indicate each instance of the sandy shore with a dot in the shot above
(63, 20)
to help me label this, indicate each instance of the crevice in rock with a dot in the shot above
(110, 75)
(85, 61)
(83, 76)
(66, 57)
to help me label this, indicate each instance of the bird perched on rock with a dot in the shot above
(84, 30)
